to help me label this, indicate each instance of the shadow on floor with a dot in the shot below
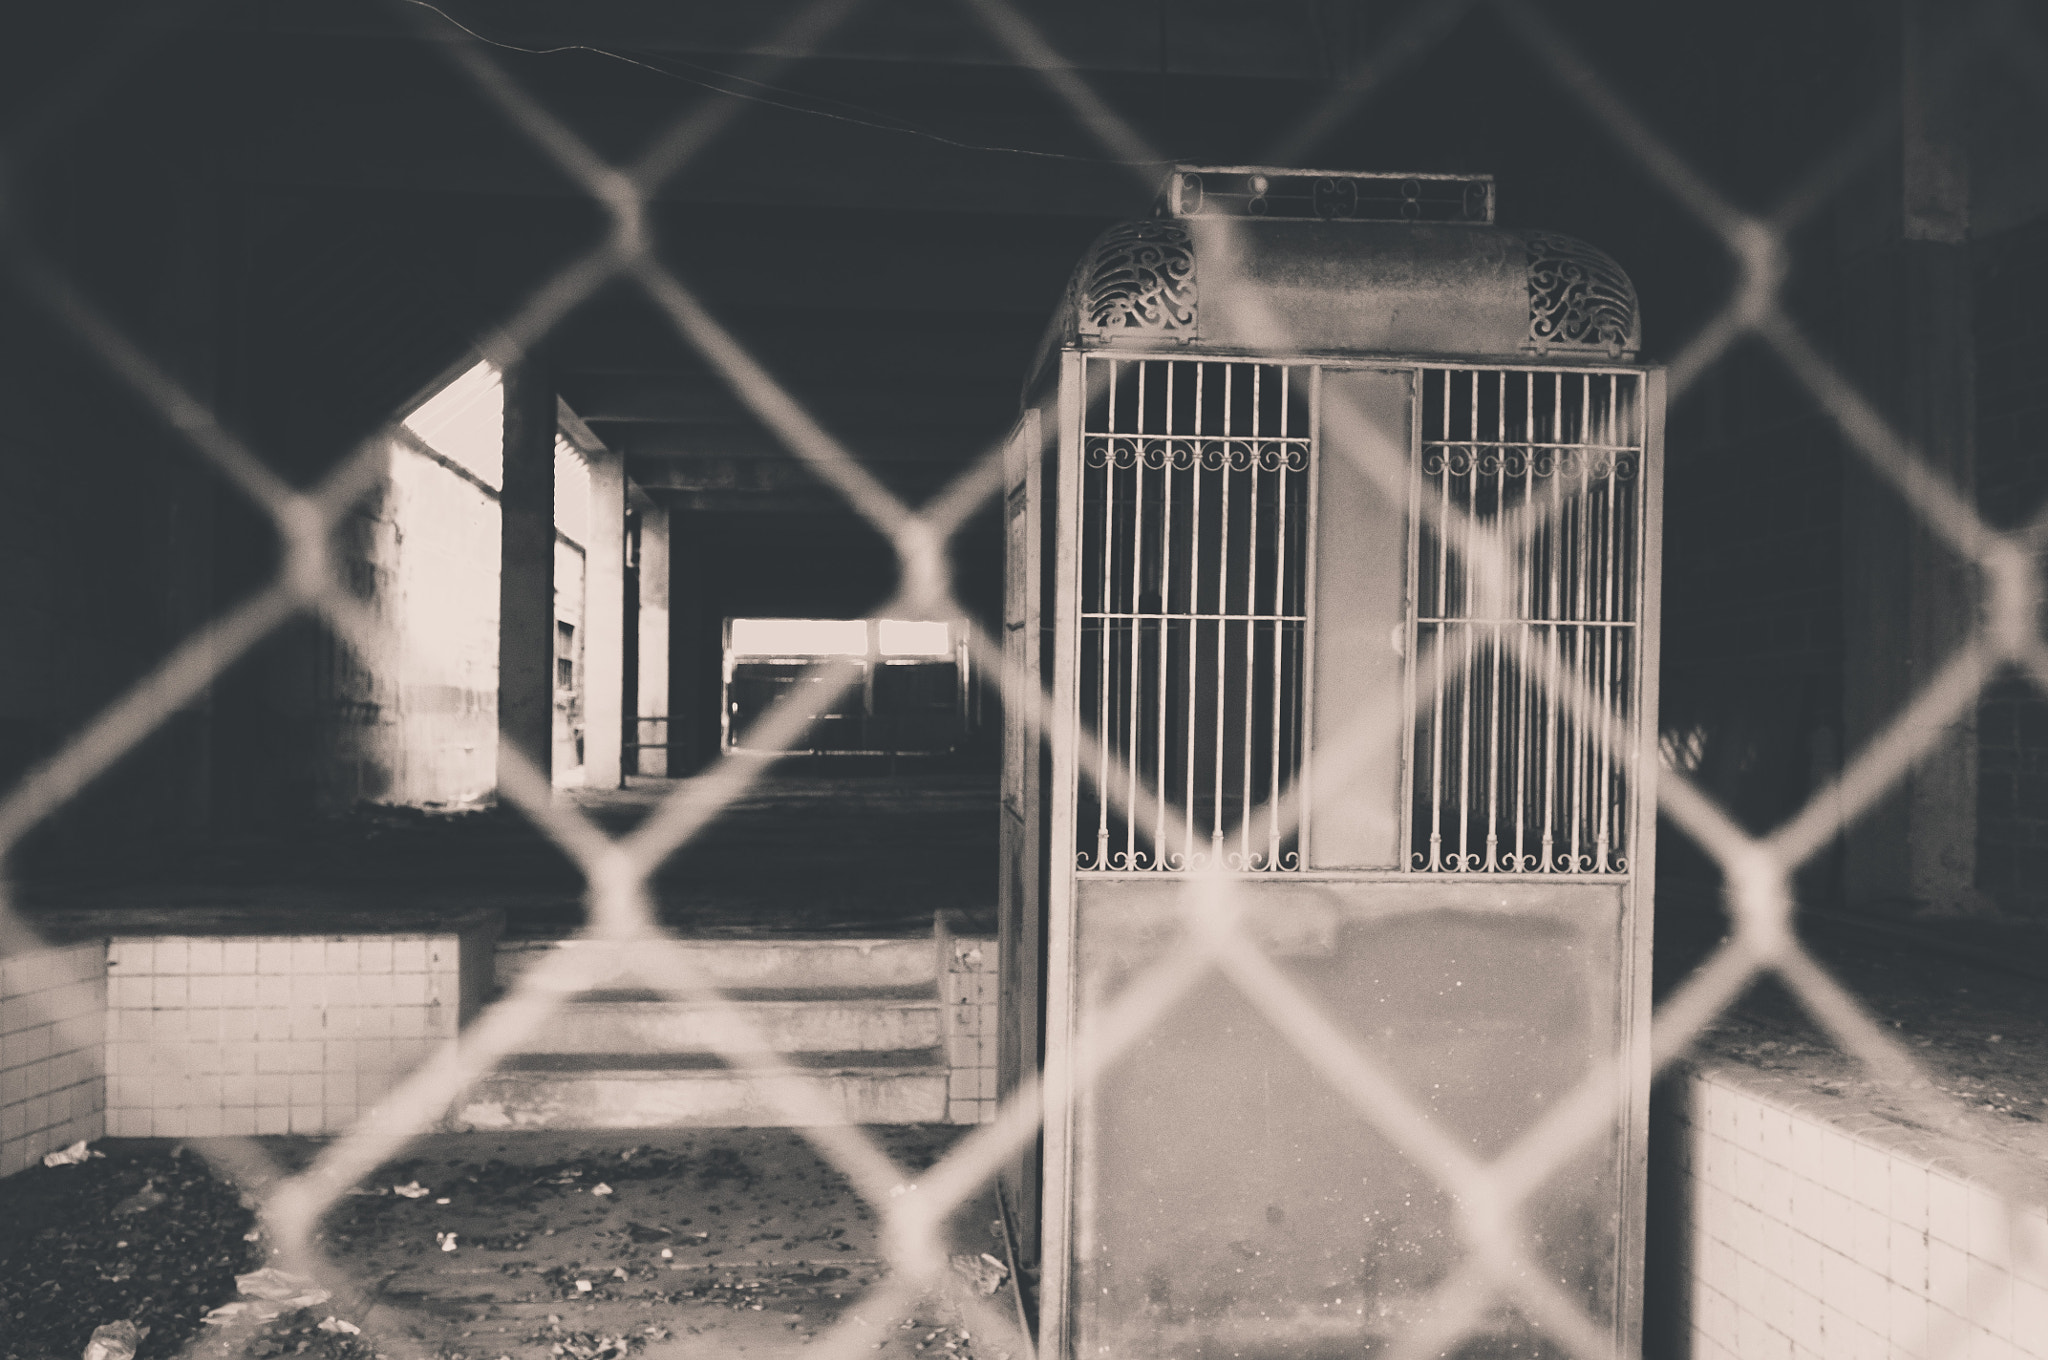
(812, 848)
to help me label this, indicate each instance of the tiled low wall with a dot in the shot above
(278, 1033)
(1818, 1233)
(967, 999)
(52, 1016)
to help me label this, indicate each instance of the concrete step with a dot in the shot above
(787, 964)
(637, 1090)
(624, 1021)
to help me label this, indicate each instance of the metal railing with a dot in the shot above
(1507, 779)
(1194, 610)
(1757, 868)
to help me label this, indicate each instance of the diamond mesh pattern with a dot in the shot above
(1757, 869)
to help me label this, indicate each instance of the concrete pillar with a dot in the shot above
(1909, 602)
(526, 570)
(652, 688)
(604, 620)
(694, 655)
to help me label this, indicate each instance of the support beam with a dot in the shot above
(1909, 600)
(526, 573)
(604, 620)
(776, 475)
(909, 398)
(694, 693)
(652, 689)
(650, 446)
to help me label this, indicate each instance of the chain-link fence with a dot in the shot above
(1757, 870)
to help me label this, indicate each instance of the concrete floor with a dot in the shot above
(815, 848)
(691, 1242)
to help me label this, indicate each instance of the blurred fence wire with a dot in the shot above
(1757, 869)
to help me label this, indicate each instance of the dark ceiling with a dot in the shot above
(887, 217)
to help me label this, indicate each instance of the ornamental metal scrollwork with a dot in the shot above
(1567, 463)
(1578, 297)
(1182, 453)
(1140, 276)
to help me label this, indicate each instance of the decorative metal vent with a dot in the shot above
(1194, 509)
(1326, 195)
(1579, 298)
(1138, 276)
(1524, 675)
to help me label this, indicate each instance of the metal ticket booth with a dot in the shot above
(1268, 436)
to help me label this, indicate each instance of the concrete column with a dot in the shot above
(1909, 601)
(526, 570)
(652, 688)
(694, 657)
(604, 620)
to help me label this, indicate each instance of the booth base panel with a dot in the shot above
(1231, 1201)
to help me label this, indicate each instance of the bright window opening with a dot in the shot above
(866, 686)
(907, 637)
(799, 637)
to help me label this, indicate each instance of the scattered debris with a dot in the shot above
(269, 1293)
(71, 1156)
(116, 1340)
(600, 1189)
(142, 1201)
(68, 1263)
(308, 1335)
(983, 1271)
(446, 1240)
(411, 1190)
(279, 1285)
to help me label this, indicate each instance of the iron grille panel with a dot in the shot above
(1194, 533)
(1524, 677)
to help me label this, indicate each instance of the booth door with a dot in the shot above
(1453, 927)
(1020, 924)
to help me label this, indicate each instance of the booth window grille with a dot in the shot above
(1193, 563)
(1524, 680)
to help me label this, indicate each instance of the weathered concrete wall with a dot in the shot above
(446, 748)
(572, 532)
(52, 1028)
(2012, 413)
(968, 998)
(651, 693)
(1815, 1230)
(415, 722)
(212, 1035)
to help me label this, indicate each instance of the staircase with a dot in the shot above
(852, 1027)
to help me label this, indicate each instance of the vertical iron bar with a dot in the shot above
(1554, 531)
(1612, 691)
(1279, 627)
(1495, 607)
(1165, 609)
(1470, 630)
(1137, 560)
(1222, 607)
(1526, 566)
(1194, 611)
(1581, 591)
(1102, 630)
(1251, 609)
(1443, 610)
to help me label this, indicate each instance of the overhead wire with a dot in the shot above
(864, 117)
